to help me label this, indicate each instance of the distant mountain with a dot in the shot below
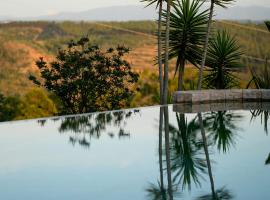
(255, 13)
(115, 13)
(137, 12)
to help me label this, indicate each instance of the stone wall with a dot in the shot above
(206, 96)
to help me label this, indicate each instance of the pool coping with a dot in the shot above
(207, 96)
(221, 100)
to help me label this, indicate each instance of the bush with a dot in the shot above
(87, 79)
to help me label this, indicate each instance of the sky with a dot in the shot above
(27, 8)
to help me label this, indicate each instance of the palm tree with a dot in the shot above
(223, 4)
(187, 33)
(166, 65)
(186, 152)
(159, 4)
(223, 59)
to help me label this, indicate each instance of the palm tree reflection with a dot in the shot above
(264, 115)
(219, 194)
(188, 163)
(187, 155)
(222, 129)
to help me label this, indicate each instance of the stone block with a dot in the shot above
(265, 95)
(252, 95)
(234, 95)
(217, 106)
(203, 107)
(252, 105)
(200, 96)
(182, 108)
(182, 97)
(234, 105)
(217, 95)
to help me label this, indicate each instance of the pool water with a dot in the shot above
(128, 155)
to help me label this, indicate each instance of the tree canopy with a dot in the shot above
(88, 79)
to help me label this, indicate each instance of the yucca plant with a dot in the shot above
(223, 59)
(261, 79)
(223, 4)
(187, 34)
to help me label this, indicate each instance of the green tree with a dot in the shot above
(267, 23)
(187, 34)
(36, 104)
(87, 79)
(222, 61)
(9, 107)
(213, 3)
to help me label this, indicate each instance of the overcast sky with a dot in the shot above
(24, 8)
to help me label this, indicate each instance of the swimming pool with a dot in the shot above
(136, 154)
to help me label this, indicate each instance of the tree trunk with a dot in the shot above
(160, 148)
(168, 155)
(160, 67)
(181, 74)
(205, 146)
(166, 66)
(205, 49)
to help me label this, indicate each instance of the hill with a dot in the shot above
(22, 43)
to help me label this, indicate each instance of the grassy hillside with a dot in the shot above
(21, 43)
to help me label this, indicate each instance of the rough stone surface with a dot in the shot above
(234, 95)
(252, 105)
(265, 95)
(215, 106)
(234, 105)
(201, 96)
(217, 95)
(183, 97)
(206, 96)
(252, 95)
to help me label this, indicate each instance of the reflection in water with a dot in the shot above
(188, 163)
(86, 127)
(264, 115)
(184, 158)
(221, 194)
(187, 155)
(222, 128)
